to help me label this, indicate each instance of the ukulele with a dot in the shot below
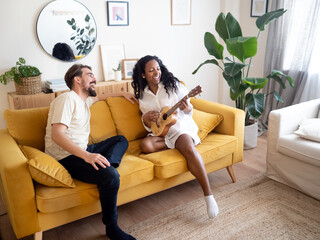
(168, 117)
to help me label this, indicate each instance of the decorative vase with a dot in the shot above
(30, 85)
(250, 135)
(117, 75)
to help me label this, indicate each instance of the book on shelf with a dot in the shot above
(56, 81)
(56, 85)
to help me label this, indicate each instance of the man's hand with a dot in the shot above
(96, 159)
(59, 137)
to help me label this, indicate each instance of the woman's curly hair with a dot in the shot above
(139, 83)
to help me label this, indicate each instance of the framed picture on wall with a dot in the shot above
(127, 67)
(112, 56)
(258, 7)
(180, 12)
(118, 13)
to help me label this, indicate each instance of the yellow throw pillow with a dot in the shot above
(127, 118)
(101, 123)
(206, 122)
(46, 170)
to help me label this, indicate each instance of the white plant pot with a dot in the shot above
(250, 136)
(117, 75)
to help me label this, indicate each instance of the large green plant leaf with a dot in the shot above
(227, 27)
(256, 83)
(242, 47)
(255, 104)
(213, 47)
(237, 95)
(275, 75)
(277, 96)
(233, 68)
(233, 81)
(213, 61)
(268, 17)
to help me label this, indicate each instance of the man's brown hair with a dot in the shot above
(74, 71)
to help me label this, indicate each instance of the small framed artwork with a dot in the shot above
(180, 12)
(127, 67)
(258, 7)
(112, 56)
(118, 13)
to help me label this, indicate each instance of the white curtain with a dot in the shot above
(293, 48)
(312, 87)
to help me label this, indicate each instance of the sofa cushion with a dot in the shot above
(134, 147)
(304, 150)
(101, 123)
(127, 118)
(28, 126)
(206, 122)
(133, 171)
(170, 162)
(46, 170)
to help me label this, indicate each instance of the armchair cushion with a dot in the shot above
(206, 122)
(46, 170)
(309, 129)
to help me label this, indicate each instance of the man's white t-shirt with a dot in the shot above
(185, 123)
(70, 110)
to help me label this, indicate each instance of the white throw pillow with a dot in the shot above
(309, 129)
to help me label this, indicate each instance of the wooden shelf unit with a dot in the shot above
(44, 99)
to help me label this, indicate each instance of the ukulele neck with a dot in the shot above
(171, 110)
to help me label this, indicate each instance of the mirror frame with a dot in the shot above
(79, 23)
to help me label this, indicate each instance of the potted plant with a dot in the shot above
(117, 73)
(27, 78)
(244, 90)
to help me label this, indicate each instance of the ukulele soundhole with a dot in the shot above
(165, 116)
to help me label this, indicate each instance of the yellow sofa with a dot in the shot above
(33, 207)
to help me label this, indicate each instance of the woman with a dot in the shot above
(155, 88)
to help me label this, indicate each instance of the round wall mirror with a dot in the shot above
(66, 30)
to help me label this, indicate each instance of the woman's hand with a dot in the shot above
(151, 116)
(184, 106)
(130, 97)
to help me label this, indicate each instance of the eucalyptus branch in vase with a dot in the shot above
(84, 38)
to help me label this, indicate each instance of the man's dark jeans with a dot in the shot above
(107, 179)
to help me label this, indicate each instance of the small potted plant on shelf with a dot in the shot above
(27, 78)
(117, 73)
(244, 90)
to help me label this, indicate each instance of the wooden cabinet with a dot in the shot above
(29, 101)
(112, 86)
(44, 99)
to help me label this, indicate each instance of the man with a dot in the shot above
(66, 140)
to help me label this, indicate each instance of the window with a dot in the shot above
(303, 26)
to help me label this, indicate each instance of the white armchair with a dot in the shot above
(291, 159)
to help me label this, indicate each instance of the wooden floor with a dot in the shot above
(91, 228)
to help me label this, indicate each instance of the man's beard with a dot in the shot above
(92, 92)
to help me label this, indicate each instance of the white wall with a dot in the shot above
(150, 32)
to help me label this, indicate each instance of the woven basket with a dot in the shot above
(30, 85)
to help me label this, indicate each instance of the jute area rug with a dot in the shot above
(256, 209)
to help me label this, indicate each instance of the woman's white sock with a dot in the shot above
(212, 206)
